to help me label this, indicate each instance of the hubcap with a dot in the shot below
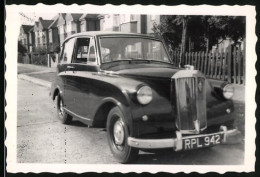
(61, 108)
(119, 132)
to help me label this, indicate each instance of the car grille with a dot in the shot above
(190, 96)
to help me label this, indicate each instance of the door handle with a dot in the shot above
(70, 67)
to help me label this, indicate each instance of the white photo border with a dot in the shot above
(12, 31)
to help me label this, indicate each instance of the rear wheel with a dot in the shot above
(64, 117)
(118, 133)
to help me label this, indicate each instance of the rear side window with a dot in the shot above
(67, 53)
(82, 50)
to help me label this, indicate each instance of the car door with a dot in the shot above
(64, 67)
(79, 81)
(85, 101)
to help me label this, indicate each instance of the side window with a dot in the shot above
(67, 51)
(82, 50)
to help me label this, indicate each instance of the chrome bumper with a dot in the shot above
(176, 143)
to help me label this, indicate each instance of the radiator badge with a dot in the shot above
(197, 125)
(200, 86)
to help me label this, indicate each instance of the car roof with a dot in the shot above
(108, 33)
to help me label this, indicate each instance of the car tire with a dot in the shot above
(118, 133)
(64, 117)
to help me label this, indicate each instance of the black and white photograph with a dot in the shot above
(144, 89)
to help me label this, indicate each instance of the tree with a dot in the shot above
(202, 32)
(224, 27)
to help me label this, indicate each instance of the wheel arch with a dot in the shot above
(55, 93)
(100, 116)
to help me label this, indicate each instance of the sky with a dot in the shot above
(30, 18)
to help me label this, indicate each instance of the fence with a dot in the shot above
(53, 60)
(227, 66)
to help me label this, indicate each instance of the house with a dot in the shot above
(42, 35)
(72, 23)
(54, 38)
(31, 39)
(109, 22)
(132, 23)
(152, 20)
(89, 22)
(47, 35)
(61, 25)
(67, 25)
(24, 36)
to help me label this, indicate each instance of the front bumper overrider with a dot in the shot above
(177, 143)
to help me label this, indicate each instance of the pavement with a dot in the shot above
(30, 72)
(43, 76)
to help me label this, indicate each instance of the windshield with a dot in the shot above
(132, 49)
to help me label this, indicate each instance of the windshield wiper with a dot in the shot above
(138, 59)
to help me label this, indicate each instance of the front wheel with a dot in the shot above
(118, 133)
(64, 117)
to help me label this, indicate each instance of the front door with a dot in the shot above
(78, 82)
(64, 68)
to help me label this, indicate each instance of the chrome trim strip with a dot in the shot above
(77, 115)
(151, 143)
(203, 135)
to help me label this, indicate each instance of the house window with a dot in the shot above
(43, 38)
(116, 20)
(82, 27)
(133, 18)
(30, 39)
(50, 36)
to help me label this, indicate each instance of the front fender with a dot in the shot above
(116, 90)
(125, 108)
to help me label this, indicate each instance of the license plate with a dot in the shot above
(202, 141)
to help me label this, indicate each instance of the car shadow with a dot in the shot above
(77, 123)
(205, 156)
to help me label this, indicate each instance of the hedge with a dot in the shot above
(40, 59)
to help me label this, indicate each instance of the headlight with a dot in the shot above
(228, 91)
(144, 95)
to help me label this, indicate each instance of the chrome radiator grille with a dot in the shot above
(190, 95)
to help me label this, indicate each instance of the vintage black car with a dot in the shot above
(127, 83)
